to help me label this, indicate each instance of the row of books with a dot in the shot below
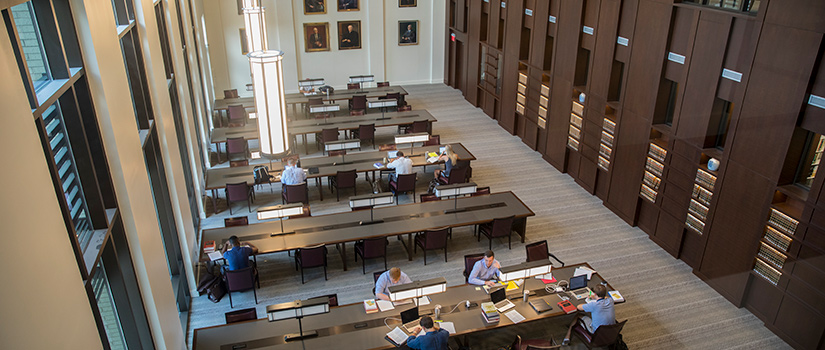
(777, 239)
(652, 181)
(648, 193)
(657, 152)
(698, 210)
(771, 256)
(769, 273)
(694, 223)
(654, 167)
(701, 195)
(782, 222)
(706, 179)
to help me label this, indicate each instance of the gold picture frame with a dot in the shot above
(349, 39)
(408, 32)
(407, 3)
(348, 5)
(316, 37)
(315, 7)
(244, 42)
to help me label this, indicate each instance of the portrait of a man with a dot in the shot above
(349, 35)
(347, 5)
(406, 3)
(316, 37)
(407, 32)
(314, 7)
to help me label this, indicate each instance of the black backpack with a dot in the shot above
(261, 174)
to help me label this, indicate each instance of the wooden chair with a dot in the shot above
(295, 193)
(469, 261)
(325, 136)
(480, 191)
(241, 315)
(371, 248)
(427, 197)
(236, 221)
(405, 183)
(353, 86)
(538, 251)
(534, 344)
(233, 93)
(365, 132)
(358, 103)
(239, 281)
(238, 163)
(238, 192)
(383, 83)
(375, 276)
(457, 176)
(343, 179)
(432, 239)
(498, 228)
(434, 140)
(237, 149)
(419, 126)
(605, 335)
(237, 115)
(311, 257)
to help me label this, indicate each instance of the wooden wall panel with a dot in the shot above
(631, 144)
(802, 14)
(744, 35)
(763, 299)
(603, 53)
(669, 233)
(653, 22)
(799, 323)
(814, 117)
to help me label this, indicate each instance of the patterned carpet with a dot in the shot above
(667, 306)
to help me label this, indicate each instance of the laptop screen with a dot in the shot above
(392, 154)
(498, 295)
(577, 282)
(409, 315)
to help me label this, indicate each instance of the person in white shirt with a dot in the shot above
(402, 166)
(292, 174)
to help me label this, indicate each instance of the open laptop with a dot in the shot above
(499, 298)
(392, 154)
(578, 287)
(410, 319)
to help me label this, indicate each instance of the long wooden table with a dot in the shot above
(406, 219)
(320, 167)
(299, 98)
(337, 329)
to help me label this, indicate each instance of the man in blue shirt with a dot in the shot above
(435, 339)
(485, 271)
(601, 312)
(292, 174)
(237, 254)
(392, 277)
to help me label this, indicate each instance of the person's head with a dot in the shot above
(349, 28)
(600, 291)
(395, 274)
(489, 256)
(234, 241)
(426, 322)
(399, 154)
(315, 30)
(291, 162)
(409, 27)
(448, 150)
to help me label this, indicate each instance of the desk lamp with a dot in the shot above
(371, 200)
(324, 109)
(383, 104)
(525, 270)
(455, 190)
(412, 139)
(298, 309)
(361, 79)
(417, 289)
(342, 145)
(280, 212)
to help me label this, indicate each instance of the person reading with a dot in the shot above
(391, 277)
(485, 271)
(237, 253)
(401, 164)
(450, 159)
(435, 338)
(601, 313)
(292, 174)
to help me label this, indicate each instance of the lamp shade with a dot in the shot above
(255, 22)
(270, 104)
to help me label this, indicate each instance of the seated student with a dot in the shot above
(485, 271)
(601, 313)
(450, 159)
(392, 277)
(402, 166)
(435, 339)
(292, 174)
(237, 253)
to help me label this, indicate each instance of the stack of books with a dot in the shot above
(488, 310)
(370, 306)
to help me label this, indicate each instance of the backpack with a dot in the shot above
(216, 290)
(619, 344)
(261, 174)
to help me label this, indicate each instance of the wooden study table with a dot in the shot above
(362, 162)
(337, 329)
(219, 135)
(340, 228)
(300, 98)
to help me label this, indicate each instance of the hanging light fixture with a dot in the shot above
(270, 104)
(255, 22)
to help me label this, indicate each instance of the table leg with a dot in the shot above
(320, 188)
(409, 247)
(306, 145)
(342, 248)
(215, 200)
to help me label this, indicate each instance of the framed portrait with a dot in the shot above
(349, 35)
(407, 3)
(316, 37)
(315, 7)
(244, 42)
(348, 5)
(407, 32)
(240, 6)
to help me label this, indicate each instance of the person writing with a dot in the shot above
(485, 271)
(601, 313)
(435, 339)
(449, 158)
(237, 253)
(401, 164)
(391, 277)
(292, 174)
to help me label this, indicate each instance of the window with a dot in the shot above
(809, 162)
(31, 43)
(106, 307)
(666, 102)
(736, 5)
(718, 125)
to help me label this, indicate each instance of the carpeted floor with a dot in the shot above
(667, 306)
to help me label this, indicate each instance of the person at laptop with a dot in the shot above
(392, 277)
(485, 271)
(450, 159)
(601, 313)
(401, 164)
(237, 253)
(292, 174)
(435, 339)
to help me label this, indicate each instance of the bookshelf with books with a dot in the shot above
(778, 235)
(576, 120)
(654, 168)
(544, 102)
(521, 94)
(703, 185)
(606, 146)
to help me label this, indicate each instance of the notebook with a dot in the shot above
(499, 298)
(540, 305)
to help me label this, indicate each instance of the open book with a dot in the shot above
(397, 337)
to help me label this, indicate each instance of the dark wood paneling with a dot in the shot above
(799, 323)
(669, 233)
(774, 98)
(587, 175)
(744, 35)
(815, 237)
(627, 24)
(806, 294)
(814, 117)
(603, 53)
(648, 217)
(812, 256)
(763, 299)
(645, 66)
(558, 122)
(806, 272)
(734, 234)
(630, 147)
(567, 39)
(802, 14)
(602, 184)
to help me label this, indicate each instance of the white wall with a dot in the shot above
(380, 54)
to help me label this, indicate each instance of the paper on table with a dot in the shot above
(398, 336)
(384, 305)
(216, 255)
(449, 326)
(425, 300)
(514, 316)
(583, 271)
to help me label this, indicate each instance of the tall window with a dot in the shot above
(736, 5)
(719, 122)
(32, 44)
(809, 162)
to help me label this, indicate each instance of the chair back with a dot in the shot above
(230, 93)
(393, 96)
(383, 83)
(345, 179)
(305, 214)
(606, 334)
(389, 147)
(237, 113)
(237, 191)
(429, 198)
(480, 191)
(359, 102)
(537, 251)
(502, 227)
(313, 256)
(295, 193)
(340, 152)
(238, 163)
(434, 140)
(375, 247)
(330, 134)
(240, 280)
(436, 238)
(315, 101)
(236, 221)
(366, 132)
(405, 183)
(333, 299)
(236, 145)
(469, 261)
(376, 275)
(353, 86)
(241, 315)
(457, 175)
(420, 126)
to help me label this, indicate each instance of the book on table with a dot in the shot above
(208, 246)
(370, 306)
(397, 337)
(616, 296)
(540, 305)
(489, 312)
(567, 306)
